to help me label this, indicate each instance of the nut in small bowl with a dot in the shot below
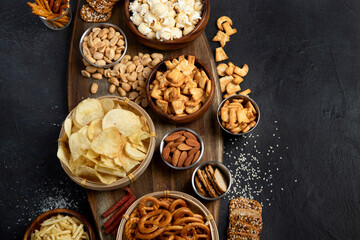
(43, 225)
(181, 148)
(211, 180)
(103, 45)
(180, 89)
(238, 115)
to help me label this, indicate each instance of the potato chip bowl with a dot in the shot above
(195, 205)
(135, 174)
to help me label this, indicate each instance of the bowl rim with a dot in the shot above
(176, 194)
(186, 38)
(122, 182)
(222, 168)
(162, 143)
(237, 96)
(187, 118)
(46, 215)
(87, 31)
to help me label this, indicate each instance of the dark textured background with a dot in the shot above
(304, 60)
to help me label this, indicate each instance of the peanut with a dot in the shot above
(85, 73)
(97, 76)
(94, 88)
(122, 92)
(112, 88)
(114, 81)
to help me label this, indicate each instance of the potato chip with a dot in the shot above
(88, 110)
(111, 171)
(107, 104)
(95, 128)
(138, 137)
(127, 163)
(63, 154)
(134, 153)
(108, 143)
(125, 121)
(68, 126)
(78, 143)
(107, 162)
(91, 154)
(140, 147)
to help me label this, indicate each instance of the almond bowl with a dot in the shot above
(173, 118)
(171, 44)
(163, 144)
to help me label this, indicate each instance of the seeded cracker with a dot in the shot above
(99, 7)
(89, 15)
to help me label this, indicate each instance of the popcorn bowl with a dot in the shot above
(174, 119)
(170, 44)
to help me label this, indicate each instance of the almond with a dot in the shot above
(189, 159)
(173, 137)
(190, 135)
(192, 142)
(169, 144)
(182, 159)
(197, 154)
(180, 132)
(166, 152)
(184, 147)
(181, 139)
(194, 150)
(175, 157)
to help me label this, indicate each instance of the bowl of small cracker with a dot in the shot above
(106, 143)
(167, 25)
(238, 115)
(211, 180)
(180, 89)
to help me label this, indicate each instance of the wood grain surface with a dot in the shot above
(158, 176)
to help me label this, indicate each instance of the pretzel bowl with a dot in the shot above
(192, 203)
(135, 172)
(36, 224)
(170, 44)
(174, 118)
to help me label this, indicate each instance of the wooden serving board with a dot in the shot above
(158, 176)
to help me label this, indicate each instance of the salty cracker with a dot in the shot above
(178, 106)
(126, 122)
(228, 29)
(88, 110)
(222, 20)
(220, 55)
(163, 105)
(221, 68)
(222, 38)
(109, 142)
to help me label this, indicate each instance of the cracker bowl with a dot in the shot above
(106, 143)
(191, 203)
(187, 116)
(169, 44)
(36, 224)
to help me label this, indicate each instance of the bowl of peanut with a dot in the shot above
(180, 89)
(103, 45)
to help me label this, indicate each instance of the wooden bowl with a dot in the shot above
(195, 205)
(136, 173)
(171, 44)
(175, 119)
(35, 225)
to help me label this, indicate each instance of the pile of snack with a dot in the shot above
(182, 149)
(103, 46)
(104, 140)
(51, 9)
(209, 182)
(238, 115)
(129, 76)
(117, 211)
(165, 218)
(165, 20)
(97, 10)
(60, 227)
(245, 221)
(182, 89)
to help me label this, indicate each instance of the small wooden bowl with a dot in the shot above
(136, 173)
(35, 225)
(175, 119)
(171, 44)
(195, 205)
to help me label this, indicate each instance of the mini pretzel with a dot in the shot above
(177, 203)
(143, 208)
(196, 231)
(222, 20)
(147, 224)
(130, 227)
(186, 220)
(182, 212)
(139, 235)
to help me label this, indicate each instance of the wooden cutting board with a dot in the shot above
(158, 176)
